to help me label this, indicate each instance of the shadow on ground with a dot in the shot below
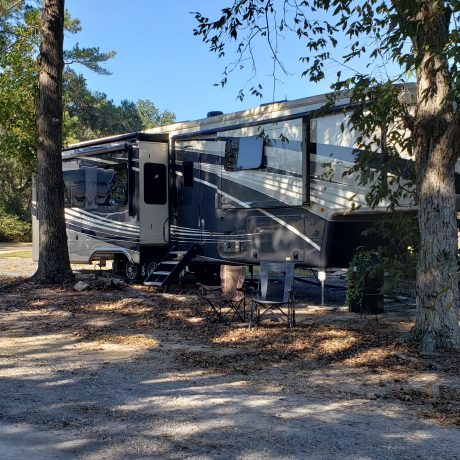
(132, 374)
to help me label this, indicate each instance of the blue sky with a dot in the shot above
(159, 58)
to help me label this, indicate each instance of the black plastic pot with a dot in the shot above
(368, 303)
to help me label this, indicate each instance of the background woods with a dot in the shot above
(87, 113)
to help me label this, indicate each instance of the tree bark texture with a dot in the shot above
(437, 319)
(53, 264)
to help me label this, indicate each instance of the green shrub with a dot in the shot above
(363, 266)
(14, 229)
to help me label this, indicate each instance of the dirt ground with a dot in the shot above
(129, 373)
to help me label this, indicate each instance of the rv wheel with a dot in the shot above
(132, 271)
(151, 267)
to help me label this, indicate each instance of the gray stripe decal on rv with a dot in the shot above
(102, 220)
(93, 223)
(100, 227)
(100, 234)
(271, 216)
(197, 233)
(100, 216)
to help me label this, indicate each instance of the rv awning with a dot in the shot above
(112, 143)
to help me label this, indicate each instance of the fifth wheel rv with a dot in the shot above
(239, 188)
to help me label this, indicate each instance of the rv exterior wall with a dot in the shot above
(333, 153)
(289, 202)
(97, 197)
(244, 214)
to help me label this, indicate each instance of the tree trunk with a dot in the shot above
(437, 320)
(437, 317)
(53, 263)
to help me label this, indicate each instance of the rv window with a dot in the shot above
(328, 139)
(114, 183)
(96, 184)
(187, 168)
(244, 153)
(74, 188)
(155, 191)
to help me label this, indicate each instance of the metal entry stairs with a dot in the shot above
(171, 266)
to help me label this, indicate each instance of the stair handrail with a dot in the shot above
(164, 230)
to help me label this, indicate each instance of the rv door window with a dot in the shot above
(244, 153)
(155, 191)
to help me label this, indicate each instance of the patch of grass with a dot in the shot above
(18, 245)
(21, 254)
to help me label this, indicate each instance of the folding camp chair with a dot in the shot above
(228, 301)
(276, 292)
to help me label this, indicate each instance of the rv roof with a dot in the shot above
(265, 113)
(259, 114)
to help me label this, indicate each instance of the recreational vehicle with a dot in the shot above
(238, 188)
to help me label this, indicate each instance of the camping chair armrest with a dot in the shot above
(207, 288)
(247, 291)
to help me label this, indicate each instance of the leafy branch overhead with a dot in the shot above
(380, 117)
(376, 32)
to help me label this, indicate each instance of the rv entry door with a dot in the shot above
(153, 193)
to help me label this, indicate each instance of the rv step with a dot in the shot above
(175, 261)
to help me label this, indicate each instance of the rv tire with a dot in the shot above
(132, 271)
(150, 267)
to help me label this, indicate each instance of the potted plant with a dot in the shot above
(365, 281)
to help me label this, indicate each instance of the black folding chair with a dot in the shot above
(276, 292)
(226, 302)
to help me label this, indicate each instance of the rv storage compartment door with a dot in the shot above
(153, 193)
